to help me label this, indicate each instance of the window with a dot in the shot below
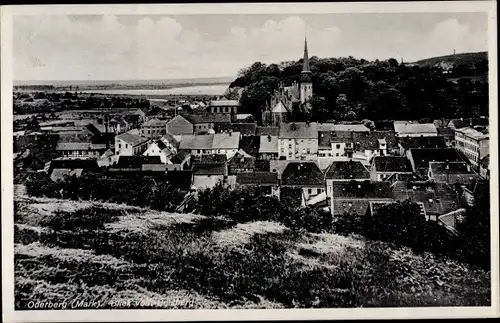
(337, 155)
(308, 150)
(289, 146)
(119, 146)
(338, 146)
(309, 190)
(348, 145)
(199, 151)
(126, 146)
(282, 150)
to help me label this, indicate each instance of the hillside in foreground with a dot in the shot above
(129, 257)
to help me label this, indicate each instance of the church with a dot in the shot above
(286, 97)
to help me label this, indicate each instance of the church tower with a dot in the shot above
(306, 88)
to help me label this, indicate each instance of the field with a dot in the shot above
(118, 256)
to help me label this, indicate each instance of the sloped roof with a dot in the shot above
(136, 161)
(350, 127)
(131, 138)
(208, 118)
(422, 156)
(268, 144)
(266, 131)
(226, 140)
(328, 126)
(154, 167)
(87, 164)
(196, 142)
(468, 122)
(178, 118)
(209, 169)
(472, 133)
(438, 198)
(224, 103)
(392, 164)
(445, 132)
(179, 157)
(362, 190)
(257, 178)
(92, 128)
(370, 140)
(412, 128)
(103, 138)
(73, 146)
(302, 174)
(301, 130)
(245, 128)
(279, 108)
(452, 173)
(422, 142)
(209, 158)
(154, 123)
(485, 161)
(107, 153)
(347, 170)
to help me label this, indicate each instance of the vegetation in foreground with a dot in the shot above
(131, 257)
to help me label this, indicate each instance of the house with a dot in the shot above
(245, 129)
(452, 173)
(179, 126)
(467, 122)
(159, 148)
(450, 221)
(421, 157)
(208, 175)
(437, 198)
(484, 167)
(474, 144)
(182, 158)
(415, 130)
(241, 162)
(197, 144)
(407, 143)
(138, 164)
(342, 171)
(226, 143)
(244, 116)
(153, 128)
(448, 134)
(107, 159)
(336, 144)
(298, 141)
(229, 107)
(305, 176)
(354, 197)
(374, 143)
(268, 148)
(205, 122)
(59, 168)
(471, 190)
(127, 144)
(384, 167)
(267, 181)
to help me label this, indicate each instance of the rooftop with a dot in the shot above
(131, 138)
(268, 144)
(302, 174)
(136, 162)
(302, 130)
(472, 133)
(469, 122)
(265, 131)
(224, 103)
(422, 142)
(392, 164)
(154, 123)
(422, 156)
(347, 170)
(209, 169)
(362, 190)
(226, 140)
(412, 128)
(370, 140)
(196, 142)
(208, 118)
(257, 178)
(438, 198)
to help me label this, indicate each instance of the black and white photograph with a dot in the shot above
(249, 157)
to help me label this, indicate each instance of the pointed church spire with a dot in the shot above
(305, 66)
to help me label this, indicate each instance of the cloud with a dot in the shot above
(110, 47)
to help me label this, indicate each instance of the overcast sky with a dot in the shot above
(165, 47)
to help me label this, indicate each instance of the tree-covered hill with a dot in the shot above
(469, 59)
(353, 89)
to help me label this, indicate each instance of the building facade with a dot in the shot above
(473, 144)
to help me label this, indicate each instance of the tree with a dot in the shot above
(393, 62)
(475, 230)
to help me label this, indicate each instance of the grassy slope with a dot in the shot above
(117, 253)
(462, 58)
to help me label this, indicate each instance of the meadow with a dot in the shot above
(132, 257)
